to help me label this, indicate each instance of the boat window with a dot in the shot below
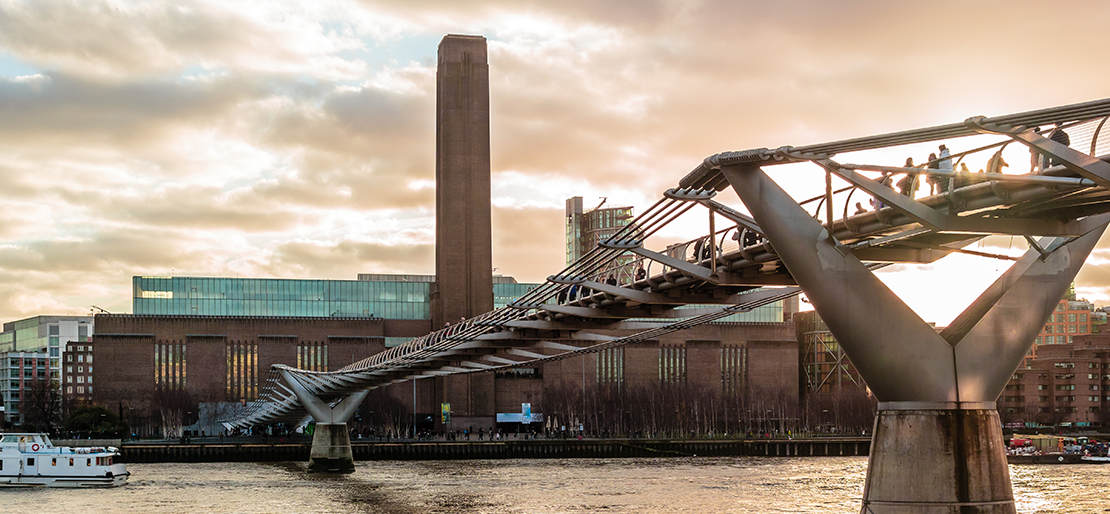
(30, 461)
(54, 461)
(71, 461)
(88, 462)
(10, 439)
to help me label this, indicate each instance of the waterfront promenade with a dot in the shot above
(296, 448)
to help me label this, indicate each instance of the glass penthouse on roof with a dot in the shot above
(381, 296)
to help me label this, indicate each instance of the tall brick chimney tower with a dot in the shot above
(464, 259)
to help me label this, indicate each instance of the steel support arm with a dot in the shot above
(918, 211)
(993, 334)
(1072, 159)
(320, 411)
(688, 268)
(901, 357)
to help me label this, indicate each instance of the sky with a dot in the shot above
(296, 139)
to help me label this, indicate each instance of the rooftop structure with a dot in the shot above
(371, 296)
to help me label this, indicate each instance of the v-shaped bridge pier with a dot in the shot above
(937, 445)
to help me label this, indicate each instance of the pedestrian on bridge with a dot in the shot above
(995, 164)
(945, 164)
(908, 185)
(932, 179)
(1058, 135)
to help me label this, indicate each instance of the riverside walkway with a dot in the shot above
(297, 449)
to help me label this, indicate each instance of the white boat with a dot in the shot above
(30, 460)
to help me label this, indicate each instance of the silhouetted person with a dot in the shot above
(995, 164)
(945, 164)
(908, 185)
(1061, 137)
(932, 179)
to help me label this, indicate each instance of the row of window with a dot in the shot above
(1061, 398)
(1071, 317)
(1069, 329)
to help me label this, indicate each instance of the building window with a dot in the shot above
(1083, 317)
(242, 370)
(80, 358)
(1071, 329)
(1071, 317)
(80, 390)
(733, 367)
(170, 365)
(672, 364)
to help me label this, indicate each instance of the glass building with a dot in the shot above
(380, 296)
(20, 371)
(48, 335)
(586, 228)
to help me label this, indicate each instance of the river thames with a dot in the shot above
(670, 485)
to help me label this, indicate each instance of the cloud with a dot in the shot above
(529, 259)
(297, 139)
(118, 39)
(308, 259)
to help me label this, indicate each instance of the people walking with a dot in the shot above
(908, 184)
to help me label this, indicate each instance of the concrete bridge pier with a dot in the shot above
(937, 445)
(331, 442)
(934, 459)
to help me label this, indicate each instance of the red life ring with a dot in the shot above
(34, 447)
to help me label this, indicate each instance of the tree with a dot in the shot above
(96, 420)
(176, 407)
(42, 405)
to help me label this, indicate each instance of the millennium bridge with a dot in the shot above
(937, 444)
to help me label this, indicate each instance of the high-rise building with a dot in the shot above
(1066, 385)
(586, 228)
(24, 376)
(48, 335)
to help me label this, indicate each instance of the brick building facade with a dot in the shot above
(1065, 385)
(225, 359)
(215, 359)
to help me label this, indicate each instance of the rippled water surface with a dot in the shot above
(678, 485)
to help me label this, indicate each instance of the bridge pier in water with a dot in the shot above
(937, 445)
(331, 442)
(331, 449)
